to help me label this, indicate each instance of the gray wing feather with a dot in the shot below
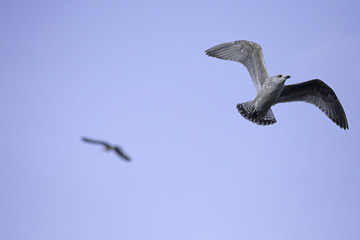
(245, 52)
(321, 95)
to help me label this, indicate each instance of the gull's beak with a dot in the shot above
(287, 76)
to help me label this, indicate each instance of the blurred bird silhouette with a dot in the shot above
(108, 147)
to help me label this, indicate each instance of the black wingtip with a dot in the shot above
(207, 52)
(345, 126)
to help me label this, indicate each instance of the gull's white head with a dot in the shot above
(280, 78)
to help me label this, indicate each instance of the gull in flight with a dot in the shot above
(108, 147)
(271, 90)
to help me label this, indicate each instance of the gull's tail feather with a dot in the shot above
(247, 111)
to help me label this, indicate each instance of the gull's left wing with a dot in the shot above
(96, 142)
(245, 52)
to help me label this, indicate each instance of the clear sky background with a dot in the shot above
(134, 73)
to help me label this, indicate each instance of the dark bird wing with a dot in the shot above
(321, 95)
(245, 52)
(96, 142)
(121, 153)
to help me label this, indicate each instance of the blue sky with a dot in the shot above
(134, 73)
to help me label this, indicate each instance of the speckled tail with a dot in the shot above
(247, 111)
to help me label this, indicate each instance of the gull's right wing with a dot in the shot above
(321, 95)
(121, 153)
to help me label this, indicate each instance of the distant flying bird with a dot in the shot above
(271, 90)
(108, 147)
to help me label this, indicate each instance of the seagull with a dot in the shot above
(108, 147)
(271, 90)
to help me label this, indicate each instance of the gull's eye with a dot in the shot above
(279, 75)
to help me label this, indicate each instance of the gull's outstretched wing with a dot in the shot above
(245, 52)
(121, 153)
(96, 141)
(321, 95)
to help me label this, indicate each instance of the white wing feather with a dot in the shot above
(245, 52)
